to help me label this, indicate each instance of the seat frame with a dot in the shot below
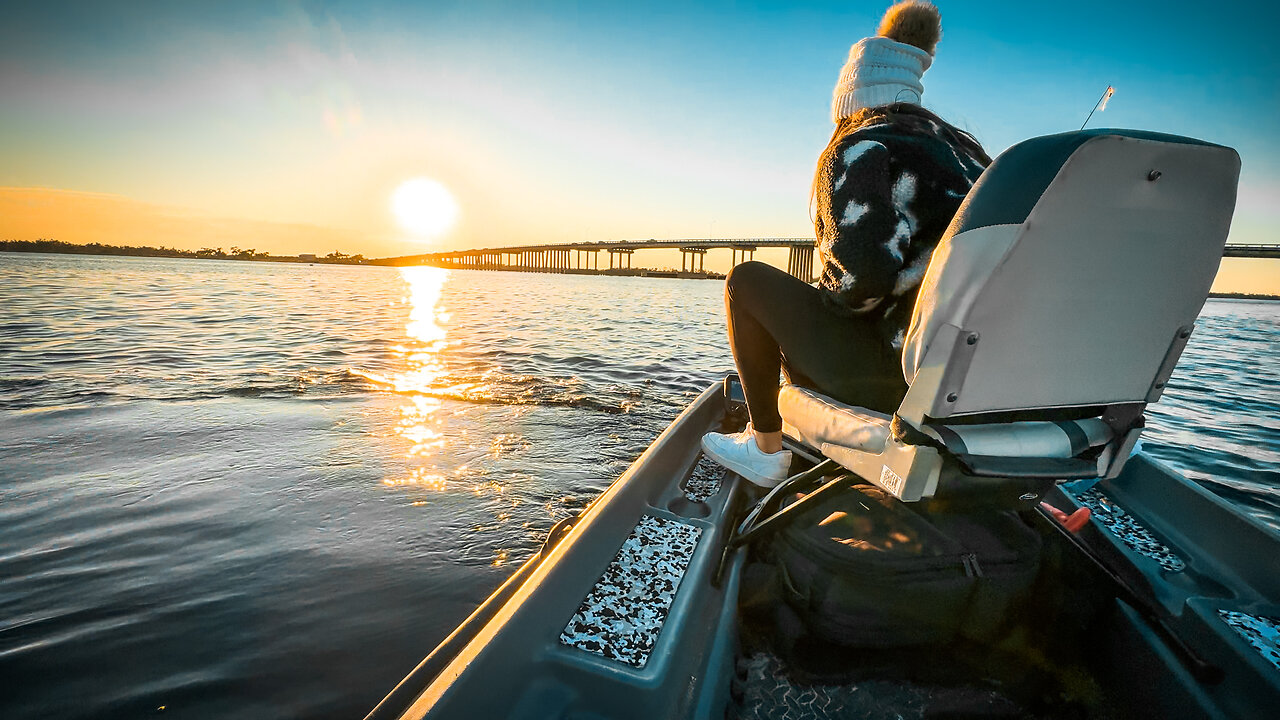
(912, 471)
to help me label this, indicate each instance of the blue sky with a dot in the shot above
(570, 121)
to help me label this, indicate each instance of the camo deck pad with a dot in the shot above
(622, 615)
(704, 482)
(769, 694)
(1263, 633)
(1130, 532)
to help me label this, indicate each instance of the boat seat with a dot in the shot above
(819, 421)
(1053, 310)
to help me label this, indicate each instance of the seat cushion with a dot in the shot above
(1062, 439)
(819, 420)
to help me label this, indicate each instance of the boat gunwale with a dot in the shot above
(432, 680)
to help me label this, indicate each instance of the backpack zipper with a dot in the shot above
(971, 566)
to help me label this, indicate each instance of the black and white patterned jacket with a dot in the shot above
(884, 200)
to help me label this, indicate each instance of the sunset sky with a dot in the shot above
(288, 126)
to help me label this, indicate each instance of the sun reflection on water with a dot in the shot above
(442, 452)
(420, 478)
(425, 341)
(426, 337)
(416, 425)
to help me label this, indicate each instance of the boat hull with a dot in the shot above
(539, 650)
(630, 610)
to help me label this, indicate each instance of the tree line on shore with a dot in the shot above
(236, 253)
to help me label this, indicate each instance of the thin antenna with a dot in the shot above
(1100, 105)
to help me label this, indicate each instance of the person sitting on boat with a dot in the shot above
(886, 187)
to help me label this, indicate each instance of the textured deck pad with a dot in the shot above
(1263, 633)
(622, 615)
(768, 694)
(1129, 530)
(704, 482)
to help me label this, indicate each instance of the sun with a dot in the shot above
(424, 207)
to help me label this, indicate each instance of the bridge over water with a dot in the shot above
(1252, 251)
(584, 258)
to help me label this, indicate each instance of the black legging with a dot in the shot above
(778, 321)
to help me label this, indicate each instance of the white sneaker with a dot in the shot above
(739, 453)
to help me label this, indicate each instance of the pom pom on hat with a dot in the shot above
(887, 69)
(913, 22)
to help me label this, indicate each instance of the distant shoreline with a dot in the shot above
(58, 247)
(1243, 296)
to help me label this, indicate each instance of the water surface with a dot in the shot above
(264, 490)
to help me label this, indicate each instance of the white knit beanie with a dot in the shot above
(879, 72)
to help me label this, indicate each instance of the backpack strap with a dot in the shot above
(764, 518)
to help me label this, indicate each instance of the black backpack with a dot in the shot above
(861, 569)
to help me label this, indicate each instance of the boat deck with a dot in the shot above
(769, 693)
(634, 611)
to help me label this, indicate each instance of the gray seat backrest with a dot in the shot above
(1077, 259)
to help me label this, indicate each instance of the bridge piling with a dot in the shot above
(800, 262)
(693, 258)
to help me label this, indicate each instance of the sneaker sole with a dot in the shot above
(747, 474)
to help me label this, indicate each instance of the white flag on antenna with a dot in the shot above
(1105, 97)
